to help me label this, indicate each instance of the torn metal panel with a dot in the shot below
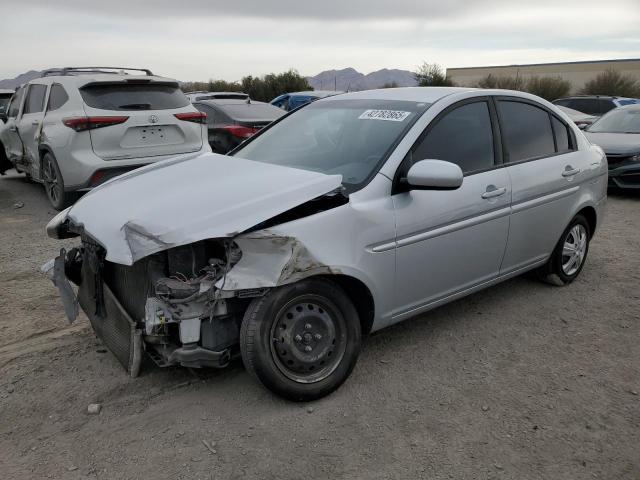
(54, 269)
(177, 203)
(270, 260)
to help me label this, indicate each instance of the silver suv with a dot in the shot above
(74, 128)
(344, 217)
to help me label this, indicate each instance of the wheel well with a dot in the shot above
(361, 297)
(589, 213)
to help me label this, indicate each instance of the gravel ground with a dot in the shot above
(521, 381)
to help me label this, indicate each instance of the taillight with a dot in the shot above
(80, 124)
(240, 131)
(195, 117)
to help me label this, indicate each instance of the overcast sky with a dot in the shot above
(203, 39)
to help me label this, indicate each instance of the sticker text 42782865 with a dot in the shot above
(388, 115)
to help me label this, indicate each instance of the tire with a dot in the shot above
(301, 341)
(54, 184)
(561, 268)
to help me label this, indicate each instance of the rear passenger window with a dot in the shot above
(526, 131)
(463, 136)
(561, 131)
(35, 99)
(605, 105)
(57, 97)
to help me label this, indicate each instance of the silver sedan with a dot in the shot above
(341, 218)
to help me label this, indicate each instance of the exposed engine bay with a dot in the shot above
(167, 304)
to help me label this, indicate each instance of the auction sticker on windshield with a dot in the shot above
(389, 115)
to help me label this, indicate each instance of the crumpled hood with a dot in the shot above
(616, 143)
(187, 199)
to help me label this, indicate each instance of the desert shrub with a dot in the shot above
(548, 88)
(502, 81)
(432, 75)
(611, 82)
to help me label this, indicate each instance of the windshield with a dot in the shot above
(351, 138)
(618, 121)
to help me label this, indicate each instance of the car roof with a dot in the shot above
(230, 101)
(634, 107)
(315, 93)
(6, 91)
(414, 94)
(606, 97)
(86, 78)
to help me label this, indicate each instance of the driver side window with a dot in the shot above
(463, 136)
(14, 106)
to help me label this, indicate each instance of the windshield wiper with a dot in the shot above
(135, 106)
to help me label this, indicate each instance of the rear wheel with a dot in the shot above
(54, 184)
(567, 259)
(301, 340)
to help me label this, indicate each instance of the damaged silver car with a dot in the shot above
(341, 218)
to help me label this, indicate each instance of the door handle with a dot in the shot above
(13, 129)
(493, 191)
(35, 122)
(569, 171)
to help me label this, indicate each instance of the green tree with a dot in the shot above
(432, 75)
(611, 82)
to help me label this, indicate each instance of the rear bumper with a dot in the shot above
(625, 176)
(79, 167)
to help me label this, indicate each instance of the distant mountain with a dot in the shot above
(20, 79)
(352, 80)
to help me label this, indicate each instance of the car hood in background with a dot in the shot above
(616, 143)
(187, 199)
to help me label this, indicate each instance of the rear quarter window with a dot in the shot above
(124, 96)
(57, 97)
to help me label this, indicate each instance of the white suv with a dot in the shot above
(74, 128)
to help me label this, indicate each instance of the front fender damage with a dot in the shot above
(271, 260)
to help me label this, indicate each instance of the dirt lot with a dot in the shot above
(522, 381)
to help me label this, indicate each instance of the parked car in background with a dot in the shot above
(202, 95)
(342, 218)
(74, 128)
(596, 105)
(618, 133)
(291, 101)
(581, 119)
(232, 120)
(5, 96)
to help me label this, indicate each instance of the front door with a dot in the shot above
(30, 126)
(9, 133)
(450, 241)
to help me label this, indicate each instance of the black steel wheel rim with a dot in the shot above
(308, 339)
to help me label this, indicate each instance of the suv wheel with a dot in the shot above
(567, 259)
(54, 184)
(301, 340)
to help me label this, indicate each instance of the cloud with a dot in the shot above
(198, 39)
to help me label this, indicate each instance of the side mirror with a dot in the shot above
(434, 175)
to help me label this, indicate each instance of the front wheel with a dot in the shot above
(301, 340)
(567, 259)
(54, 184)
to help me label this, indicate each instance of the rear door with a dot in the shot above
(546, 171)
(30, 125)
(9, 134)
(149, 124)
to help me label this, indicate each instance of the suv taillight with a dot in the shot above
(195, 117)
(80, 124)
(239, 131)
